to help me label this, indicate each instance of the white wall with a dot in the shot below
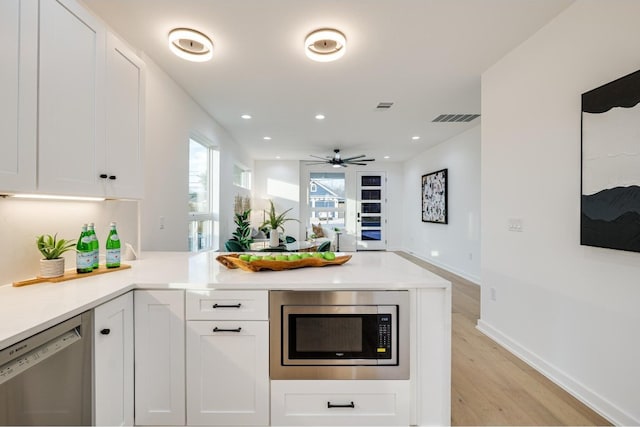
(570, 310)
(171, 118)
(21, 220)
(454, 246)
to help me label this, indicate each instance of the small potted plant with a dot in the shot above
(52, 248)
(275, 222)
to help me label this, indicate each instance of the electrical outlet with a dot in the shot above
(515, 224)
(493, 294)
(470, 256)
(161, 223)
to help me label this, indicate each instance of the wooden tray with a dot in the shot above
(232, 261)
(70, 275)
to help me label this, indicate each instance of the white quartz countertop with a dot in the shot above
(27, 310)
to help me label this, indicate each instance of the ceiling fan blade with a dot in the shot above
(354, 157)
(316, 163)
(317, 157)
(359, 164)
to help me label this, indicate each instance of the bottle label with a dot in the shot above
(84, 260)
(113, 257)
(114, 237)
(86, 239)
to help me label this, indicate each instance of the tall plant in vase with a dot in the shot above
(242, 211)
(275, 223)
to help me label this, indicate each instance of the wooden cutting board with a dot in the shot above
(232, 261)
(70, 275)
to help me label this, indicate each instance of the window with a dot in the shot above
(327, 199)
(204, 165)
(242, 177)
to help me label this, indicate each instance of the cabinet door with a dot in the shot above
(228, 373)
(71, 103)
(159, 358)
(18, 102)
(113, 381)
(124, 120)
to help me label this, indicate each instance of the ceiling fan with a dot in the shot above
(336, 161)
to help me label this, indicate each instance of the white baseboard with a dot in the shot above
(587, 396)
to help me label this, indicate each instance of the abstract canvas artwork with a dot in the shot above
(610, 197)
(434, 197)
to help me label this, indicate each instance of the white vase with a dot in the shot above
(274, 238)
(51, 267)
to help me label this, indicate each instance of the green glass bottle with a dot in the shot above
(113, 247)
(84, 259)
(95, 247)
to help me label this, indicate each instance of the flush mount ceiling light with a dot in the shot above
(325, 45)
(190, 44)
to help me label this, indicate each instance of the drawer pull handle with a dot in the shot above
(216, 329)
(348, 405)
(238, 305)
(105, 331)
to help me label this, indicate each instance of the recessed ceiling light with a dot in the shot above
(415, 138)
(277, 157)
(190, 44)
(325, 45)
(320, 116)
(246, 116)
(387, 157)
(267, 138)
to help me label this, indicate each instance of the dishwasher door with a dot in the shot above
(46, 379)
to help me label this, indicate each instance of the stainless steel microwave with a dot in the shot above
(339, 335)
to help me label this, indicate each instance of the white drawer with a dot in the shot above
(340, 403)
(227, 305)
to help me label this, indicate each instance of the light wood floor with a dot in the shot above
(489, 385)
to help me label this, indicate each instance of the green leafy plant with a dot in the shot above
(51, 248)
(243, 229)
(274, 221)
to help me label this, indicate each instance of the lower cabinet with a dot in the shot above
(113, 362)
(228, 373)
(159, 357)
(340, 403)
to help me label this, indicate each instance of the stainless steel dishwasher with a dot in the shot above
(46, 379)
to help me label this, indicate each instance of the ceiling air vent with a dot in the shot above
(455, 118)
(384, 105)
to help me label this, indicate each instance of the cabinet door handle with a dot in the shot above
(105, 331)
(104, 176)
(238, 305)
(348, 405)
(216, 329)
(112, 177)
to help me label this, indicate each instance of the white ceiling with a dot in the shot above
(426, 56)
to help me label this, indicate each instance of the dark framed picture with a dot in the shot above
(610, 184)
(434, 197)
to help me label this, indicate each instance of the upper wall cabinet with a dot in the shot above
(71, 144)
(124, 118)
(18, 102)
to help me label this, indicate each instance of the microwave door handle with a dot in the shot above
(348, 405)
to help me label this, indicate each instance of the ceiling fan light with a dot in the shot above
(325, 45)
(190, 44)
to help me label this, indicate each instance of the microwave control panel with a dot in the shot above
(384, 336)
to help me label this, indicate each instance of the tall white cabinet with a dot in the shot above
(18, 102)
(113, 362)
(159, 358)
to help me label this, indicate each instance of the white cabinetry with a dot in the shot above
(227, 358)
(122, 163)
(18, 102)
(71, 99)
(159, 358)
(113, 356)
(340, 403)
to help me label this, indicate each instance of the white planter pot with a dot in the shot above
(51, 267)
(274, 238)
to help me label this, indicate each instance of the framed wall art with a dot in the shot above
(610, 185)
(434, 197)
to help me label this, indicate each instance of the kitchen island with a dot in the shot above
(28, 310)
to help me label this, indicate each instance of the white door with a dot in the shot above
(71, 104)
(228, 373)
(159, 358)
(124, 120)
(18, 102)
(113, 381)
(371, 211)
